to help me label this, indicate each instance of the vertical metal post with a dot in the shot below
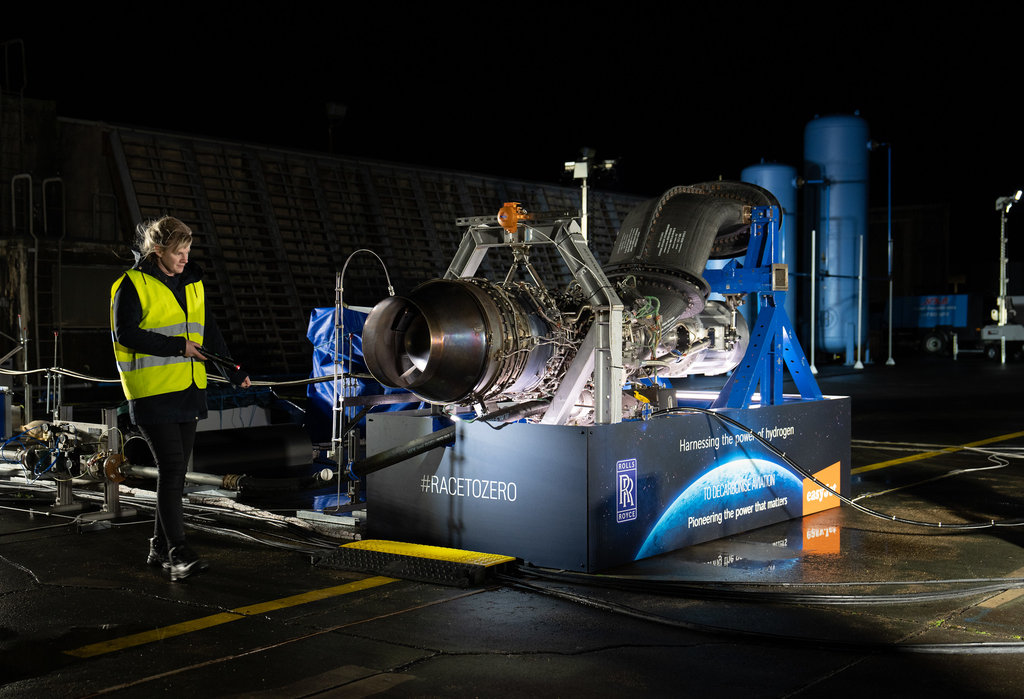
(26, 385)
(1002, 269)
(112, 508)
(860, 303)
(814, 291)
(890, 361)
(337, 398)
(608, 376)
(583, 222)
(608, 371)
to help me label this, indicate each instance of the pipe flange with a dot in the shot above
(112, 468)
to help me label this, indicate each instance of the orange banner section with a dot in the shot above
(820, 538)
(817, 498)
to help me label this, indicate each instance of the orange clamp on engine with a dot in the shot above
(511, 214)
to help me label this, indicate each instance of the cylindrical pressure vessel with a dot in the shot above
(836, 162)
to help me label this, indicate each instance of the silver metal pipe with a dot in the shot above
(190, 476)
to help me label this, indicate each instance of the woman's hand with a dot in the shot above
(192, 350)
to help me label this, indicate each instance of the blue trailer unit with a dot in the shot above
(929, 322)
(930, 311)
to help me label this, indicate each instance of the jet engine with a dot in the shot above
(465, 340)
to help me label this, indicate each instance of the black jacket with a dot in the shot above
(180, 406)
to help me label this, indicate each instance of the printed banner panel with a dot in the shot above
(588, 498)
(686, 478)
(520, 490)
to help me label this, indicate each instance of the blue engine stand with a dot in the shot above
(773, 344)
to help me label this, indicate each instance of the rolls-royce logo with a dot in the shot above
(625, 502)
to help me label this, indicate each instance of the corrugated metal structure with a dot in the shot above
(273, 227)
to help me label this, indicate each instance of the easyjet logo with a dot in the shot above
(817, 498)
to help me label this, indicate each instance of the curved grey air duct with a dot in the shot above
(665, 243)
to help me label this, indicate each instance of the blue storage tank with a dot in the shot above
(836, 151)
(780, 180)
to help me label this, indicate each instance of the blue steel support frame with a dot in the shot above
(773, 343)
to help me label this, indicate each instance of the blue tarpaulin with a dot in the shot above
(321, 395)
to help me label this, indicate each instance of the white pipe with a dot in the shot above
(814, 289)
(584, 217)
(890, 361)
(860, 302)
(1001, 301)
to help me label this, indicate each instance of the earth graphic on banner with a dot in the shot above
(731, 486)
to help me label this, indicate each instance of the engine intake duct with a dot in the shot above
(453, 340)
(665, 243)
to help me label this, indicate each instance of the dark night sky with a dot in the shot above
(679, 96)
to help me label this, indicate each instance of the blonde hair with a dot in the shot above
(166, 232)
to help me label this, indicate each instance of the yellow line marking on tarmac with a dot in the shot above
(938, 452)
(279, 644)
(1004, 597)
(206, 622)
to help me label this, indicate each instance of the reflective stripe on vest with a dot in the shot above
(144, 375)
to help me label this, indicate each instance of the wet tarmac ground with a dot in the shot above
(840, 603)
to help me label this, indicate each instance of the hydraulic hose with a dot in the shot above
(415, 447)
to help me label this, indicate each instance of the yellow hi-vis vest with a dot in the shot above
(144, 375)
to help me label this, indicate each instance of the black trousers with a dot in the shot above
(171, 445)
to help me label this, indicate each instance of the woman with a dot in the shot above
(159, 323)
